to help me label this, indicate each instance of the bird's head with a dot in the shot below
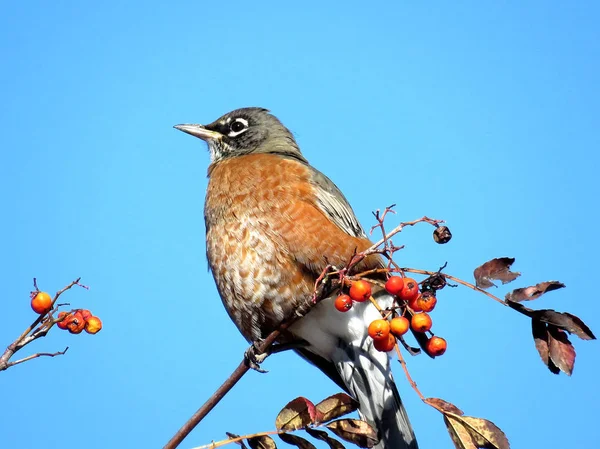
(245, 131)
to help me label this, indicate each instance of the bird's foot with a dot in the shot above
(254, 357)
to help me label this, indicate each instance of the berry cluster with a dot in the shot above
(410, 301)
(75, 321)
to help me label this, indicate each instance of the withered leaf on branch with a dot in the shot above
(324, 436)
(461, 437)
(562, 320)
(443, 406)
(495, 270)
(540, 337)
(534, 291)
(297, 441)
(297, 414)
(561, 351)
(355, 431)
(335, 406)
(468, 432)
(262, 442)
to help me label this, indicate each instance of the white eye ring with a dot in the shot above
(236, 125)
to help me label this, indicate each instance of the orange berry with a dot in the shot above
(360, 291)
(394, 285)
(421, 322)
(410, 290)
(93, 325)
(85, 313)
(436, 346)
(379, 329)
(343, 303)
(63, 324)
(75, 323)
(427, 301)
(41, 303)
(385, 345)
(414, 305)
(399, 326)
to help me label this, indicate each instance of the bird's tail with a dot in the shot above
(366, 374)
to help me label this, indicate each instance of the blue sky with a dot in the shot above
(484, 114)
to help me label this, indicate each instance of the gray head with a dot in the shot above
(245, 131)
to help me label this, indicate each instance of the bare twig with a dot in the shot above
(34, 356)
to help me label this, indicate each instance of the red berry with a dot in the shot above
(414, 305)
(427, 301)
(93, 325)
(394, 285)
(360, 291)
(63, 324)
(410, 290)
(385, 345)
(41, 303)
(343, 303)
(421, 322)
(436, 346)
(379, 329)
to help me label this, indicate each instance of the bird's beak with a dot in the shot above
(199, 131)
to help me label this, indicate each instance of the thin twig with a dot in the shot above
(34, 356)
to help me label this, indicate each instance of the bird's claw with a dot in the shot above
(254, 357)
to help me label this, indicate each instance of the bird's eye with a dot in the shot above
(238, 126)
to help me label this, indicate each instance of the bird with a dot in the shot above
(273, 223)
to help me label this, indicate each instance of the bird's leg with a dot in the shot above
(253, 357)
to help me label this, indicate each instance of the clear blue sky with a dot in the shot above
(481, 113)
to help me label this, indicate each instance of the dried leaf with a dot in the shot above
(485, 433)
(335, 406)
(355, 431)
(296, 414)
(540, 337)
(324, 436)
(297, 441)
(495, 269)
(239, 443)
(261, 442)
(443, 406)
(460, 435)
(533, 292)
(562, 320)
(561, 351)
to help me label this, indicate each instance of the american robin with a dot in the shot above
(272, 223)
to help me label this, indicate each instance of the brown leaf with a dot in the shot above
(562, 320)
(335, 406)
(297, 441)
(262, 442)
(355, 431)
(443, 406)
(485, 433)
(296, 414)
(324, 436)
(561, 351)
(540, 337)
(533, 292)
(460, 435)
(495, 269)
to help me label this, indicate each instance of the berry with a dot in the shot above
(379, 329)
(41, 303)
(385, 345)
(360, 291)
(394, 285)
(414, 304)
(421, 322)
(93, 325)
(399, 326)
(427, 301)
(442, 235)
(85, 313)
(343, 303)
(63, 324)
(410, 290)
(436, 346)
(75, 323)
